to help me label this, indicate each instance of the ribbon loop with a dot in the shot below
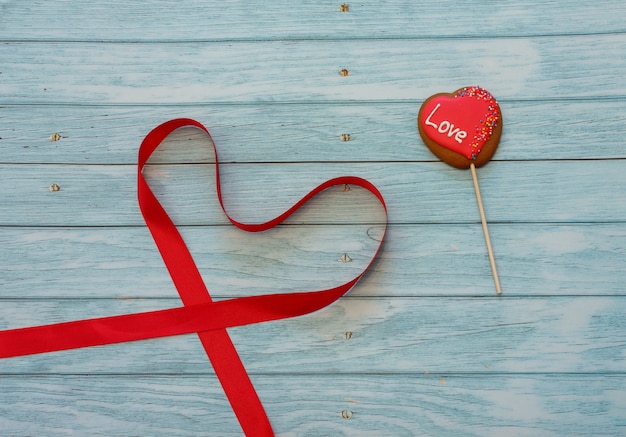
(200, 314)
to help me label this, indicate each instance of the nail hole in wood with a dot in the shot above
(346, 414)
(344, 72)
(345, 137)
(54, 187)
(55, 136)
(344, 8)
(345, 258)
(347, 335)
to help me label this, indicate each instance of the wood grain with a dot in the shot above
(305, 71)
(417, 260)
(378, 405)
(431, 192)
(387, 335)
(115, 20)
(262, 133)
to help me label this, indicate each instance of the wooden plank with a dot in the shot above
(418, 260)
(115, 20)
(358, 335)
(534, 130)
(406, 405)
(125, 263)
(304, 71)
(422, 192)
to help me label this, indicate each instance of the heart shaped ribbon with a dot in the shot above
(200, 314)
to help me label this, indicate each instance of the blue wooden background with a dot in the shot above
(422, 346)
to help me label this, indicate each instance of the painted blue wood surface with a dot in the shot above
(422, 346)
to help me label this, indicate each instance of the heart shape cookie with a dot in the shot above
(462, 127)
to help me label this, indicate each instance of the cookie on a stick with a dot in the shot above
(463, 129)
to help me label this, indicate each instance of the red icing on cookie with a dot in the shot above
(462, 122)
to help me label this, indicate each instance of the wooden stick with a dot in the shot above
(492, 260)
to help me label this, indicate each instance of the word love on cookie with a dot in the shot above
(463, 129)
(445, 127)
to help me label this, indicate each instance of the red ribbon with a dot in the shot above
(200, 314)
